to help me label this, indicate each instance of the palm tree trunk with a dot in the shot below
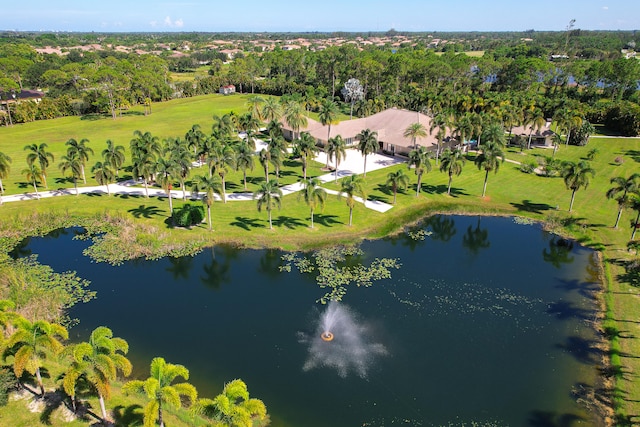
(350, 216)
(170, 203)
(365, 165)
(209, 216)
(244, 171)
(75, 185)
(184, 192)
(160, 419)
(224, 192)
(449, 187)
(36, 190)
(270, 223)
(102, 407)
(573, 195)
(40, 384)
(419, 186)
(635, 226)
(84, 179)
(618, 218)
(486, 178)
(146, 190)
(266, 172)
(44, 178)
(108, 190)
(311, 218)
(395, 193)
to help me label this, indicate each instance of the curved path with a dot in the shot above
(351, 165)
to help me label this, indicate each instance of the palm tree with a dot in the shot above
(5, 168)
(145, 144)
(313, 194)
(271, 110)
(452, 162)
(294, 115)
(328, 115)
(30, 345)
(367, 144)
(277, 147)
(464, 128)
(160, 391)
(625, 186)
(244, 160)
(221, 159)
(489, 159)
(634, 203)
(195, 138)
(265, 158)
(143, 167)
(103, 174)
(494, 132)
(419, 157)
(181, 157)
(113, 156)
(269, 195)
(576, 176)
(99, 362)
(71, 162)
(210, 186)
(233, 407)
(415, 131)
(567, 120)
(307, 148)
(336, 147)
(223, 126)
(34, 176)
(166, 170)
(440, 123)
(254, 105)
(537, 121)
(80, 150)
(397, 180)
(39, 153)
(352, 186)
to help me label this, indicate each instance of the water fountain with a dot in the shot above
(341, 342)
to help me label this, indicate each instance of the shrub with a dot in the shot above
(188, 215)
(528, 167)
(618, 160)
(8, 383)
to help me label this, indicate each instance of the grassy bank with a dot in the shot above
(141, 227)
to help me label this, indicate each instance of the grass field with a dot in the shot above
(509, 192)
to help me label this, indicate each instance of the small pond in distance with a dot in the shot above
(486, 321)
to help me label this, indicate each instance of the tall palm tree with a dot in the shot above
(143, 166)
(34, 176)
(567, 120)
(99, 362)
(367, 144)
(39, 153)
(30, 345)
(489, 159)
(268, 195)
(265, 158)
(221, 159)
(451, 163)
(195, 138)
(271, 110)
(5, 168)
(350, 187)
(415, 131)
(307, 149)
(166, 170)
(182, 159)
(536, 120)
(244, 159)
(625, 186)
(397, 180)
(223, 126)
(328, 115)
(294, 115)
(634, 203)
(210, 186)
(143, 144)
(419, 158)
(494, 132)
(113, 156)
(439, 123)
(336, 148)
(277, 147)
(254, 105)
(103, 174)
(576, 176)
(464, 128)
(72, 163)
(161, 391)
(233, 407)
(80, 150)
(313, 195)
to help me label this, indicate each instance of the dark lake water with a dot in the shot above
(487, 321)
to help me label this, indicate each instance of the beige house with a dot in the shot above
(539, 137)
(390, 125)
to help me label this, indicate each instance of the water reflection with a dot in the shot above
(476, 238)
(180, 267)
(443, 228)
(559, 252)
(217, 270)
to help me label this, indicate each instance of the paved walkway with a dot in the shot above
(352, 164)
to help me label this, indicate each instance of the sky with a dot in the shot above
(318, 15)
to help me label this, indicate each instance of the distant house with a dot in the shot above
(539, 137)
(389, 124)
(23, 95)
(227, 90)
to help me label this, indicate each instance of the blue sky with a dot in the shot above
(319, 15)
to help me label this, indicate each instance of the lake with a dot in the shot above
(487, 321)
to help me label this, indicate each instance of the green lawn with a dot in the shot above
(509, 192)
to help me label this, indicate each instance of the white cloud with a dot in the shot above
(153, 23)
(168, 22)
(179, 23)
(605, 7)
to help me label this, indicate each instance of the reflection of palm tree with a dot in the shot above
(269, 262)
(476, 238)
(443, 228)
(180, 267)
(559, 252)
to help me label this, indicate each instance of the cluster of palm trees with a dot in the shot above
(91, 367)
